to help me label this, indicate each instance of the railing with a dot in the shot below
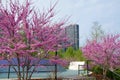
(85, 68)
(46, 68)
(83, 74)
(81, 71)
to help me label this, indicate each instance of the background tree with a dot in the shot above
(97, 31)
(26, 36)
(72, 54)
(105, 53)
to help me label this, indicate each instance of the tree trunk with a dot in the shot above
(104, 73)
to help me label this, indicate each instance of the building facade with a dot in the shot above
(72, 31)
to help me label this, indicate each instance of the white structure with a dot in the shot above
(74, 65)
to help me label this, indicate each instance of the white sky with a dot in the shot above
(85, 12)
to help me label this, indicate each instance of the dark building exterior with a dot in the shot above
(72, 31)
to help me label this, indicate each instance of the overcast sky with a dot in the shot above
(85, 12)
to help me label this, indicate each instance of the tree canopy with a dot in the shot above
(28, 35)
(105, 53)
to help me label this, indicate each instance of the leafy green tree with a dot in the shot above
(71, 54)
(79, 55)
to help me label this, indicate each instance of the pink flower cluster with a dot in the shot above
(105, 53)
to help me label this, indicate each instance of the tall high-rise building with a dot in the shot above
(72, 31)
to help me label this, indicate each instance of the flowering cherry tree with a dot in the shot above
(26, 36)
(105, 53)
